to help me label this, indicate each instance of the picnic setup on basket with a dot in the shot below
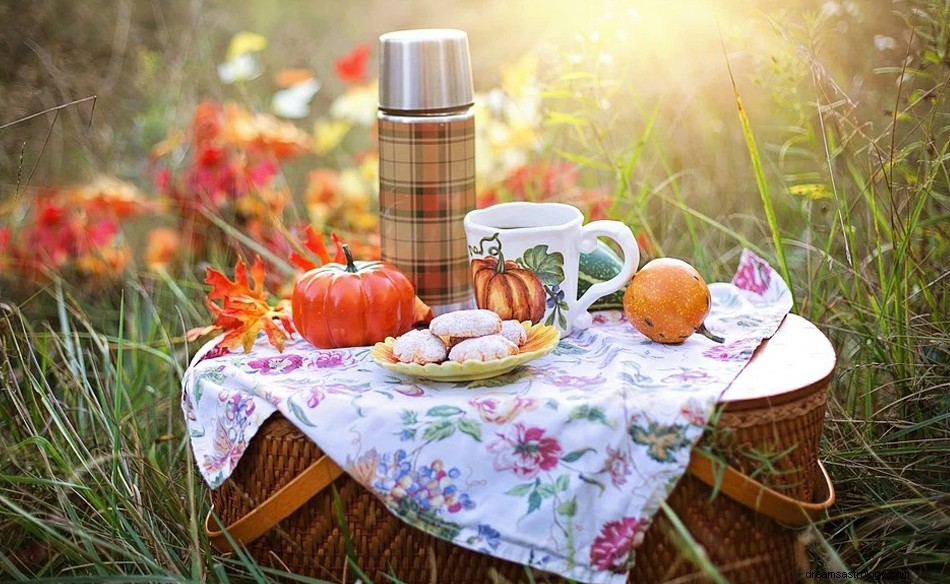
(504, 394)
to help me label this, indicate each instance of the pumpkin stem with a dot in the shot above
(709, 334)
(493, 251)
(350, 264)
(481, 245)
(500, 266)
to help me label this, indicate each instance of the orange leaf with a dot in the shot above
(221, 287)
(275, 334)
(196, 333)
(284, 309)
(340, 257)
(301, 262)
(313, 243)
(258, 274)
(243, 310)
(421, 313)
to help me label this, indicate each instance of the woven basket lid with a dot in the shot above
(797, 361)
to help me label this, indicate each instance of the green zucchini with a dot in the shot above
(600, 265)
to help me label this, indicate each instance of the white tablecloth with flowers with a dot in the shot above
(560, 464)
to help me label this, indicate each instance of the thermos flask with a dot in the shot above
(427, 161)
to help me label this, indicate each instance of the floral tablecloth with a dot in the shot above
(560, 464)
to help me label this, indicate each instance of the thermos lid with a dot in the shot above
(425, 70)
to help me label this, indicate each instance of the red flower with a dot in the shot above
(102, 232)
(351, 68)
(216, 176)
(4, 247)
(163, 179)
(541, 181)
(206, 124)
(612, 547)
(50, 214)
(54, 235)
(525, 451)
(487, 198)
(210, 156)
(646, 245)
(262, 172)
(597, 204)
(61, 235)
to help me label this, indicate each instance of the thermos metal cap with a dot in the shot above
(425, 70)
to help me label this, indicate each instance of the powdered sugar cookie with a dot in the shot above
(419, 346)
(457, 326)
(514, 332)
(485, 348)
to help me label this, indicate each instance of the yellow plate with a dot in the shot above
(541, 340)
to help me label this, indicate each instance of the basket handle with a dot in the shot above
(756, 496)
(277, 507)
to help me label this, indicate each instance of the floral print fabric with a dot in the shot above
(560, 464)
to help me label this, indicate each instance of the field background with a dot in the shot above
(835, 169)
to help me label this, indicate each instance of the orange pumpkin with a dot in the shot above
(359, 303)
(508, 289)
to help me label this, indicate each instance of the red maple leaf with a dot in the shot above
(340, 256)
(243, 309)
(314, 243)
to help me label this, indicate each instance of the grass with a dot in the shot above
(97, 483)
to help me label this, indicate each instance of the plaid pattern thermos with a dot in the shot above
(426, 186)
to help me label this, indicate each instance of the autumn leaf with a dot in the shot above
(340, 256)
(201, 331)
(314, 244)
(421, 313)
(243, 311)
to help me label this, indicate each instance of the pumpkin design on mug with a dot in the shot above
(515, 290)
(538, 273)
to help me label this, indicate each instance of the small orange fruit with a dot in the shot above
(667, 301)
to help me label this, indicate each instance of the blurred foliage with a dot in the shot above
(223, 129)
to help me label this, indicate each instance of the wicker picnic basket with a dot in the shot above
(747, 529)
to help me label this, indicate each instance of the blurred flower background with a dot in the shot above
(258, 121)
(143, 142)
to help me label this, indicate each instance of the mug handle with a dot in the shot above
(586, 243)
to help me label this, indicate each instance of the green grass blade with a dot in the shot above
(694, 552)
(761, 182)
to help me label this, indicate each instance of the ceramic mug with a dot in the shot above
(524, 259)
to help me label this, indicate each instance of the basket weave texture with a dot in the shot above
(745, 546)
